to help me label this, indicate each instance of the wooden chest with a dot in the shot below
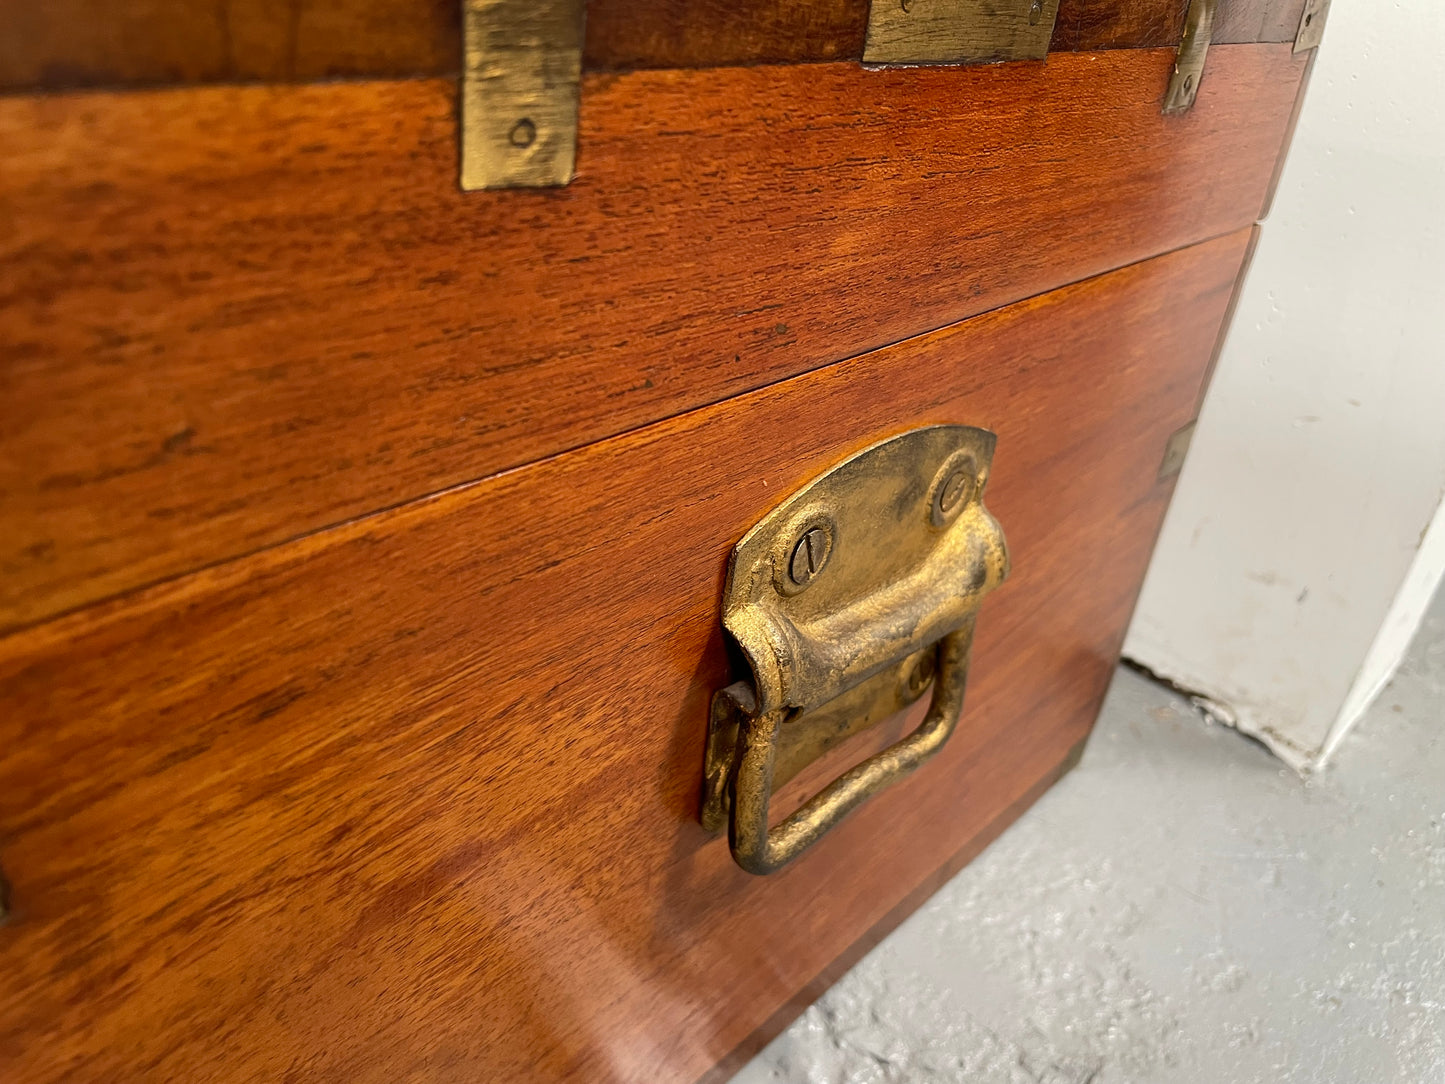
(365, 539)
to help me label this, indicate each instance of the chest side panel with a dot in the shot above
(416, 798)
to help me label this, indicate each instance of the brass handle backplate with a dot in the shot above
(848, 601)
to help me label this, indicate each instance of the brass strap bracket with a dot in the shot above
(1311, 25)
(958, 31)
(848, 601)
(521, 73)
(1189, 63)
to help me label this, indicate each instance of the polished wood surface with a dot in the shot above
(624, 34)
(230, 319)
(415, 798)
(1268, 20)
(76, 43)
(1116, 24)
(1111, 24)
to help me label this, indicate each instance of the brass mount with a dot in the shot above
(848, 601)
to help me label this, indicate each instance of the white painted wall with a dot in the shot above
(1299, 552)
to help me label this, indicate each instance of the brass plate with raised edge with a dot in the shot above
(958, 31)
(1311, 25)
(521, 73)
(1189, 63)
(848, 601)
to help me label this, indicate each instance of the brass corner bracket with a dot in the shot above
(1188, 70)
(1311, 25)
(848, 601)
(1176, 448)
(958, 31)
(521, 75)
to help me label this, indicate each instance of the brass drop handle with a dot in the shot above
(848, 601)
(760, 850)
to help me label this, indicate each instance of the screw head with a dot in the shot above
(523, 134)
(919, 675)
(1036, 12)
(955, 491)
(810, 554)
(955, 484)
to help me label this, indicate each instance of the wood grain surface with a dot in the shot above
(1111, 24)
(78, 43)
(232, 316)
(1267, 20)
(415, 798)
(623, 34)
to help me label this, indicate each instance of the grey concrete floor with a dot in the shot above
(1181, 908)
